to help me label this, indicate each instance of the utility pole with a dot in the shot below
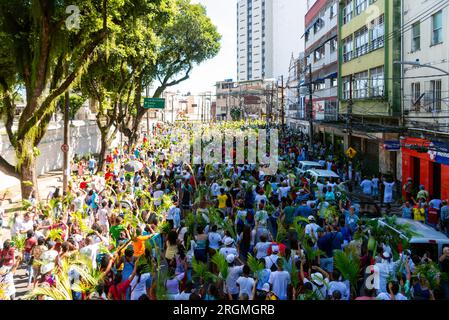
(147, 94)
(66, 169)
(310, 110)
(172, 109)
(282, 104)
(349, 113)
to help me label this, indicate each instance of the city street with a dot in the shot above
(227, 151)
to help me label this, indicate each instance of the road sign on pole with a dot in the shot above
(153, 103)
(351, 152)
(65, 148)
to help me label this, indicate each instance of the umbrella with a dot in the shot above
(133, 166)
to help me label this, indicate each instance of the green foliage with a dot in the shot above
(201, 271)
(282, 232)
(220, 261)
(55, 234)
(431, 272)
(292, 270)
(348, 263)
(19, 242)
(255, 266)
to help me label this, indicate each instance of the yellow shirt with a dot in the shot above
(222, 201)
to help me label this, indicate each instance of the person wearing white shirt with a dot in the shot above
(233, 274)
(215, 189)
(367, 186)
(279, 281)
(388, 192)
(311, 229)
(90, 251)
(157, 195)
(214, 238)
(139, 284)
(262, 247)
(246, 284)
(25, 225)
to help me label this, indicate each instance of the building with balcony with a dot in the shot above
(369, 43)
(425, 148)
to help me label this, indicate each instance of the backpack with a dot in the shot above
(274, 266)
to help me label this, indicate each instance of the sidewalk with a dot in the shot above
(45, 182)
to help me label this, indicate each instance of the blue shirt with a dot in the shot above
(351, 220)
(406, 213)
(264, 277)
(303, 211)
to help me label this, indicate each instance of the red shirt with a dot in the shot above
(108, 175)
(83, 185)
(119, 291)
(109, 158)
(29, 244)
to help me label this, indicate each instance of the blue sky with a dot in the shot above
(224, 65)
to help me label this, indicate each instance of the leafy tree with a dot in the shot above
(188, 40)
(41, 53)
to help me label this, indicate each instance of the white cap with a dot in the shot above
(275, 249)
(310, 218)
(230, 258)
(228, 241)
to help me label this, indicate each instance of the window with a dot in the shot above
(437, 28)
(334, 82)
(347, 49)
(361, 85)
(333, 45)
(377, 82)
(347, 12)
(360, 6)
(346, 88)
(319, 53)
(319, 86)
(361, 42)
(333, 10)
(416, 36)
(435, 87)
(377, 33)
(318, 25)
(416, 94)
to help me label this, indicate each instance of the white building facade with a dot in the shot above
(254, 39)
(426, 41)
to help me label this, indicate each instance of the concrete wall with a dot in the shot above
(85, 138)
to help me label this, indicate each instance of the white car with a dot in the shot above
(307, 165)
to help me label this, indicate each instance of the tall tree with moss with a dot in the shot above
(41, 52)
(111, 77)
(190, 39)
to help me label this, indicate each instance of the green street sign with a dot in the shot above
(153, 103)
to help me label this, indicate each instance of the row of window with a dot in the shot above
(437, 32)
(322, 86)
(353, 8)
(320, 53)
(366, 84)
(320, 22)
(364, 40)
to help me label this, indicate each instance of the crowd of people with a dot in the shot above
(146, 227)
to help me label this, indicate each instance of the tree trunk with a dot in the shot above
(104, 148)
(28, 178)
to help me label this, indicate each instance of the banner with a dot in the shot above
(439, 152)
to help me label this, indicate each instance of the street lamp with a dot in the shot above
(418, 64)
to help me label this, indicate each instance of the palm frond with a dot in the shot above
(220, 261)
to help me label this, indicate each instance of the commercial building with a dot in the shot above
(295, 113)
(369, 86)
(321, 66)
(425, 65)
(184, 107)
(245, 99)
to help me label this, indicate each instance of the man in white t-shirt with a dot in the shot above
(246, 284)
(228, 249)
(26, 224)
(367, 186)
(279, 281)
(90, 251)
(261, 248)
(311, 229)
(157, 195)
(233, 274)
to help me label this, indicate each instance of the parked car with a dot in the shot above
(307, 165)
(427, 239)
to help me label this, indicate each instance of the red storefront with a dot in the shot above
(426, 165)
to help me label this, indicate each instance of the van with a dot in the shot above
(427, 239)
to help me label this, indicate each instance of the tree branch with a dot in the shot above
(8, 168)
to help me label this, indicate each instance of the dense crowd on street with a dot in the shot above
(143, 226)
